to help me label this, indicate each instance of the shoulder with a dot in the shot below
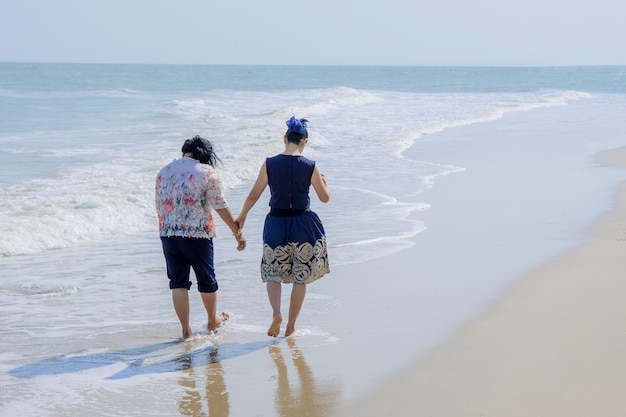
(169, 167)
(273, 158)
(307, 161)
(207, 170)
(275, 161)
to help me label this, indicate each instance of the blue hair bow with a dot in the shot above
(297, 126)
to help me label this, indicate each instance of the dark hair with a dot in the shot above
(296, 137)
(201, 149)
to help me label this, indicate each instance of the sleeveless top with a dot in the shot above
(289, 178)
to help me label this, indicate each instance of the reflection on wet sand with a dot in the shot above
(216, 395)
(309, 398)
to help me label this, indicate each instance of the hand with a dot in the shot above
(240, 221)
(241, 242)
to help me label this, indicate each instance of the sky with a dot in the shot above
(320, 32)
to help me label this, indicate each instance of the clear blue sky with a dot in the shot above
(315, 32)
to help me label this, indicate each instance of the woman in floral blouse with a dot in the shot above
(187, 189)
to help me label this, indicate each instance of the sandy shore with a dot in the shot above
(553, 345)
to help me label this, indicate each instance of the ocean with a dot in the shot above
(86, 315)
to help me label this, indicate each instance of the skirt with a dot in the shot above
(294, 249)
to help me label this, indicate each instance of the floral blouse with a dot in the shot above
(185, 192)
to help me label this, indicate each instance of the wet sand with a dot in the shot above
(554, 343)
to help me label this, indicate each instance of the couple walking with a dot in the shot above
(294, 241)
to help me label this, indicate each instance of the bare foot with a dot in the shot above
(290, 330)
(187, 333)
(217, 323)
(274, 329)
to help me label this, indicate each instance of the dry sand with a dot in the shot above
(554, 345)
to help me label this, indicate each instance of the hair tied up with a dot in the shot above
(201, 149)
(297, 125)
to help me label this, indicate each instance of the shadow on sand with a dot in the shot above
(143, 360)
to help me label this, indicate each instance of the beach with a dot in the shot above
(552, 344)
(465, 250)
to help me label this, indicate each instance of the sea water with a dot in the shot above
(80, 145)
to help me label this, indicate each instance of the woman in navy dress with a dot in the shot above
(294, 241)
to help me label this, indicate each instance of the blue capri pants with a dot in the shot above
(184, 253)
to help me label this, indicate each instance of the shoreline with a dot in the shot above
(551, 344)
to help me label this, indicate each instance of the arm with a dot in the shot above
(157, 198)
(253, 197)
(216, 199)
(228, 218)
(320, 185)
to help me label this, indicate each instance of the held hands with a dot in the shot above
(241, 241)
(240, 222)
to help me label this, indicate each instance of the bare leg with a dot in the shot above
(273, 293)
(209, 299)
(180, 298)
(298, 291)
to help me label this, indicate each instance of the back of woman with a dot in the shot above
(187, 190)
(289, 178)
(294, 241)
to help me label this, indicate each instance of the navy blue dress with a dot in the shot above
(294, 241)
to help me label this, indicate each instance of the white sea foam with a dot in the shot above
(43, 290)
(113, 197)
(84, 295)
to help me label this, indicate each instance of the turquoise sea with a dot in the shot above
(86, 314)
